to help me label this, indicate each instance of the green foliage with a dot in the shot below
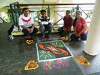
(38, 16)
(73, 12)
(10, 17)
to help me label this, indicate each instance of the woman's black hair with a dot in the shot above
(74, 23)
(79, 11)
(25, 9)
(43, 11)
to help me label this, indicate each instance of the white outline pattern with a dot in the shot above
(55, 58)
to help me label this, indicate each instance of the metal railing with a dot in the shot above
(57, 10)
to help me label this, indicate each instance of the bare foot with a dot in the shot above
(27, 36)
(43, 36)
(49, 36)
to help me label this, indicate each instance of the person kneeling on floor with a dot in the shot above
(27, 24)
(68, 21)
(80, 28)
(45, 25)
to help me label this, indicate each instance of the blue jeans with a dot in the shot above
(62, 32)
(47, 28)
(75, 38)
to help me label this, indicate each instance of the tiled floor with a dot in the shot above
(14, 55)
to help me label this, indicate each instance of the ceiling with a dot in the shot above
(7, 2)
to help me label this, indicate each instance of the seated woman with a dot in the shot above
(27, 24)
(45, 25)
(68, 21)
(80, 28)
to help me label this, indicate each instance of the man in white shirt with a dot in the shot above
(27, 24)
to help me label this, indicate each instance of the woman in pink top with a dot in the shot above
(80, 28)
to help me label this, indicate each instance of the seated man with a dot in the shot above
(45, 24)
(68, 21)
(27, 24)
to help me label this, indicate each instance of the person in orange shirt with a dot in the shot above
(68, 21)
(80, 28)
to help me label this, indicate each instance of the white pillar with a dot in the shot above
(93, 41)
